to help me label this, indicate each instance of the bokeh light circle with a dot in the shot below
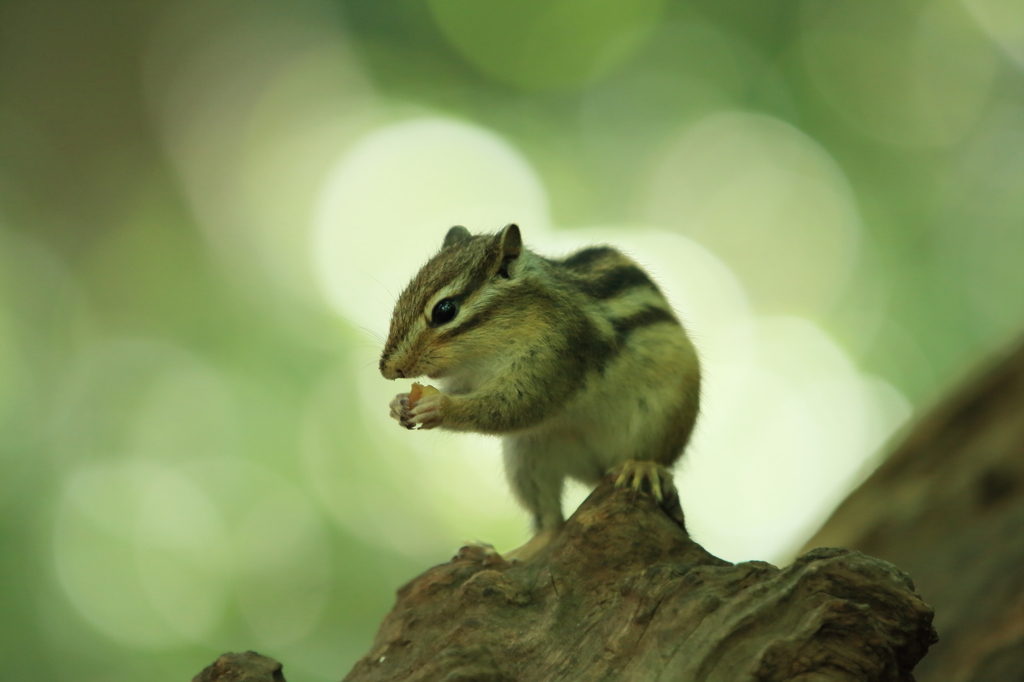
(1003, 21)
(545, 44)
(392, 197)
(769, 201)
(283, 565)
(146, 398)
(143, 553)
(250, 114)
(906, 73)
(781, 440)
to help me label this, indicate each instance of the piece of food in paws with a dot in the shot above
(418, 391)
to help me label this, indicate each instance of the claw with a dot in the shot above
(633, 474)
(656, 488)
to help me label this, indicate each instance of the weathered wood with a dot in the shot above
(624, 594)
(246, 667)
(948, 506)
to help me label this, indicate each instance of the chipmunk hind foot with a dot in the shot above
(644, 476)
(650, 478)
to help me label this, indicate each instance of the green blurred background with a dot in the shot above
(206, 209)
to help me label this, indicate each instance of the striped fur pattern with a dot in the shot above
(579, 363)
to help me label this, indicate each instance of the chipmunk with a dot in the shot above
(578, 363)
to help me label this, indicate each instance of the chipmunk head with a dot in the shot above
(441, 318)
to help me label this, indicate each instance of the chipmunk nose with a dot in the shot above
(389, 371)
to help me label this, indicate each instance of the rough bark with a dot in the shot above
(624, 594)
(247, 667)
(948, 506)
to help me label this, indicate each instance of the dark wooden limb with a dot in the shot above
(247, 667)
(624, 594)
(948, 506)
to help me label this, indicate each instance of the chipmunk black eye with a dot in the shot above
(444, 311)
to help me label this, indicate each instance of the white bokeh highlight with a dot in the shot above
(142, 552)
(251, 114)
(769, 201)
(1003, 21)
(161, 525)
(283, 565)
(386, 205)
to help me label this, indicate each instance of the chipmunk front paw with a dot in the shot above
(400, 410)
(427, 412)
(423, 406)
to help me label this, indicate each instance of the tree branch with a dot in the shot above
(623, 593)
(948, 506)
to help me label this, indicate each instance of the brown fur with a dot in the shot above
(564, 358)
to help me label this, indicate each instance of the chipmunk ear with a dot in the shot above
(456, 235)
(511, 246)
(511, 241)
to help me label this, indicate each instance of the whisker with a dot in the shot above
(394, 299)
(376, 336)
